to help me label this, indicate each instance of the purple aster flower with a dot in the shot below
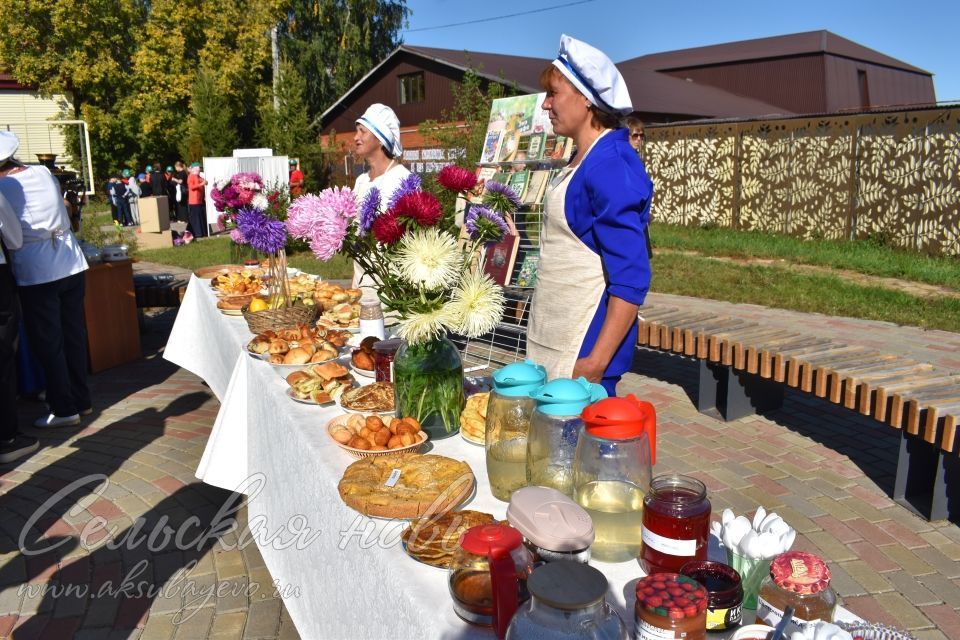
(483, 223)
(408, 185)
(261, 233)
(369, 210)
(500, 197)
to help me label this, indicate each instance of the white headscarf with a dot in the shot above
(9, 143)
(594, 75)
(384, 124)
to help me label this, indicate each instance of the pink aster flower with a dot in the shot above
(322, 220)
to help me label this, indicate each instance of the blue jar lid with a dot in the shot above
(567, 397)
(519, 378)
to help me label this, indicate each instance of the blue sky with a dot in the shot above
(921, 33)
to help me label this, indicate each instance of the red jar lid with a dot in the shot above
(800, 572)
(671, 595)
(488, 539)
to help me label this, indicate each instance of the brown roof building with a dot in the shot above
(816, 72)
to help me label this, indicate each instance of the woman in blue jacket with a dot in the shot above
(594, 270)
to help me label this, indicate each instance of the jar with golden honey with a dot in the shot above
(800, 580)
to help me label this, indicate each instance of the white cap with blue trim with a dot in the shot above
(384, 124)
(594, 75)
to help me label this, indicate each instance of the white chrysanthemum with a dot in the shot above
(260, 202)
(421, 327)
(476, 305)
(430, 258)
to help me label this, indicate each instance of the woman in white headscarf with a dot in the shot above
(377, 142)
(594, 271)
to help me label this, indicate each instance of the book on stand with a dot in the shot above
(527, 277)
(536, 187)
(535, 147)
(518, 182)
(491, 146)
(499, 258)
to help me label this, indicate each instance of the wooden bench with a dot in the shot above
(158, 290)
(745, 366)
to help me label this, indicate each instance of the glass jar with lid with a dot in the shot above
(676, 523)
(800, 580)
(670, 607)
(566, 602)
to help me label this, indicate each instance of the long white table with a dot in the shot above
(342, 575)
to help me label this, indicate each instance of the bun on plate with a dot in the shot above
(297, 356)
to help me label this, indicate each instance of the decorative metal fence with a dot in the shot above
(893, 175)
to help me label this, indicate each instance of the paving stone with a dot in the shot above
(944, 565)
(907, 559)
(929, 634)
(830, 546)
(263, 619)
(229, 626)
(865, 575)
(910, 587)
(904, 614)
(194, 623)
(843, 583)
(946, 589)
(233, 595)
(945, 618)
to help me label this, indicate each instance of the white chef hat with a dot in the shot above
(383, 123)
(594, 75)
(9, 143)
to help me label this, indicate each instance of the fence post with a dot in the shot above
(854, 183)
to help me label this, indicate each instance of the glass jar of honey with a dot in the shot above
(800, 580)
(676, 523)
(670, 607)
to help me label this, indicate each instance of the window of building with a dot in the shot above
(411, 88)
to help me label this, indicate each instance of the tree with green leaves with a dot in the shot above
(284, 124)
(334, 43)
(210, 130)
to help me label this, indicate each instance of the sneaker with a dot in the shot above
(19, 447)
(51, 420)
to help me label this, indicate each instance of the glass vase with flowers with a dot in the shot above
(424, 271)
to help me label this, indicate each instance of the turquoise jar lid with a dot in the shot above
(519, 378)
(567, 397)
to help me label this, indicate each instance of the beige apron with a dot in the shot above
(569, 287)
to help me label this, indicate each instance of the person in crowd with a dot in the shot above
(377, 142)
(112, 199)
(197, 225)
(596, 214)
(13, 444)
(133, 196)
(171, 190)
(157, 182)
(635, 126)
(296, 179)
(48, 269)
(123, 202)
(179, 180)
(146, 189)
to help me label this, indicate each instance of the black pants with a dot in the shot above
(56, 324)
(181, 212)
(123, 206)
(197, 225)
(9, 331)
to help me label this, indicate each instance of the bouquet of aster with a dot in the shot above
(255, 217)
(423, 269)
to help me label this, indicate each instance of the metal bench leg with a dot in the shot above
(726, 394)
(923, 473)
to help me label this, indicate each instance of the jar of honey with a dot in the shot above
(670, 607)
(800, 580)
(676, 523)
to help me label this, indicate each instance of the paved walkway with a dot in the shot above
(152, 423)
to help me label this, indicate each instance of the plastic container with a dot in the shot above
(676, 523)
(752, 632)
(724, 592)
(371, 319)
(555, 428)
(670, 607)
(508, 421)
(554, 527)
(566, 603)
(800, 580)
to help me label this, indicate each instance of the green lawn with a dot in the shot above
(866, 257)
(216, 250)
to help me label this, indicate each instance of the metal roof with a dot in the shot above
(810, 42)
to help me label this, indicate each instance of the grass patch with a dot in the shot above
(866, 257)
(202, 253)
(784, 289)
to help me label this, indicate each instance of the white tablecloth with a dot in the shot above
(342, 575)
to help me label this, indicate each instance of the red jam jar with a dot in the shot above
(676, 523)
(384, 352)
(724, 592)
(670, 607)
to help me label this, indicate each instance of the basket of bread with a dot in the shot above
(373, 435)
(284, 316)
(327, 295)
(237, 283)
(295, 346)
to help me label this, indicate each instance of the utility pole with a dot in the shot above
(275, 49)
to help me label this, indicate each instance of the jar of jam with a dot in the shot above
(384, 353)
(800, 580)
(724, 592)
(676, 523)
(670, 607)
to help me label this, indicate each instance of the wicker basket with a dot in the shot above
(260, 321)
